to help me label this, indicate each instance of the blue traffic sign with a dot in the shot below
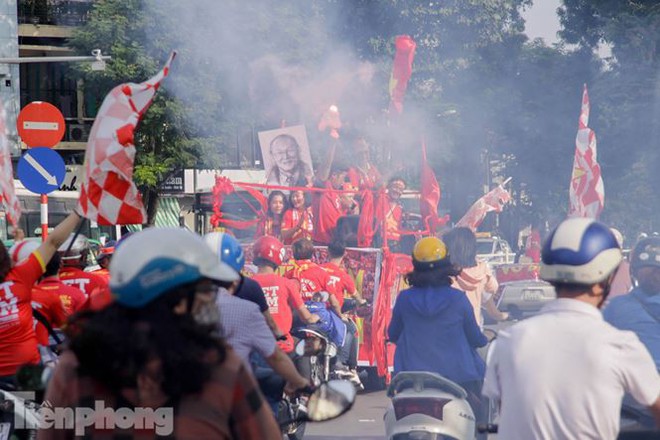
(41, 170)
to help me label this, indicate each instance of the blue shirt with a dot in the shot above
(435, 330)
(635, 312)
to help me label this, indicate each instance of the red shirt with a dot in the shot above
(312, 279)
(340, 280)
(282, 295)
(393, 221)
(364, 179)
(103, 273)
(48, 304)
(85, 281)
(72, 299)
(18, 342)
(326, 210)
(292, 219)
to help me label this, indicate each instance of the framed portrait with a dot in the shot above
(286, 155)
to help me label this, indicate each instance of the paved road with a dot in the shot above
(364, 421)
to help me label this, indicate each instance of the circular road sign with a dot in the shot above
(41, 170)
(40, 124)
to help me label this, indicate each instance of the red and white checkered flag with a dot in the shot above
(9, 199)
(108, 194)
(493, 201)
(587, 192)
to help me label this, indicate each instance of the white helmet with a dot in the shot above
(580, 251)
(157, 260)
(75, 254)
(22, 249)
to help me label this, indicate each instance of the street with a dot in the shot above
(363, 421)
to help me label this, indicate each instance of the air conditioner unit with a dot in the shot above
(78, 132)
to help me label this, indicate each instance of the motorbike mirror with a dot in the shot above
(330, 400)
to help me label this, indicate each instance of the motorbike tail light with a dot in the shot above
(427, 406)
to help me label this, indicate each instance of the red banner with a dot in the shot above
(401, 71)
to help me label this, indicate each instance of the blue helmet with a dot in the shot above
(227, 249)
(580, 251)
(157, 260)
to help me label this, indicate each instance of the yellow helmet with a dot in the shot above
(429, 253)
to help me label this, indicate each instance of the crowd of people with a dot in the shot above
(561, 374)
(316, 204)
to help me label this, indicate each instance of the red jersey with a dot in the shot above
(364, 179)
(49, 305)
(291, 220)
(72, 299)
(312, 279)
(18, 342)
(103, 273)
(340, 280)
(326, 210)
(85, 281)
(393, 221)
(282, 295)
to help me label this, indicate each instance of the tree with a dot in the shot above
(165, 141)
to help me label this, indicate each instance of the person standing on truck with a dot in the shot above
(563, 373)
(298, 220)
(74, 260)
(433, 324)
(475, 277)
(271, 223)
(394, 214)
(230, 252)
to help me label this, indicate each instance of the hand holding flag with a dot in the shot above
(493, 201)
(108, 194)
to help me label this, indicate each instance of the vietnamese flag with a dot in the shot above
(430, 195)
(401, 71)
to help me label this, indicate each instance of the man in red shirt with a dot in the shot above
(282, 294)
(74, 260)
(328, 206)
(18, 342)
(339, 278)
(72, 298)
(310, 276)
(103, 258)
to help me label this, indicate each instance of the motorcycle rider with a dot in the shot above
(433, 324)
(639, 311)
(74, 260)
(18, 342)
(230, 251)
(156, 346)
(562, 374)
(282, 294)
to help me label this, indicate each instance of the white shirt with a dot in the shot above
(563, 373)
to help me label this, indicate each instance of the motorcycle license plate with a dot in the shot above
(5, 430)
(532, 295)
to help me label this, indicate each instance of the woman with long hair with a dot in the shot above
(156, 348)
(298, 220)
(271, 224)
(475, 277)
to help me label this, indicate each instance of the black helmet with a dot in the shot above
(645, 254)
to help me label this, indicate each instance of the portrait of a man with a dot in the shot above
(286, 156)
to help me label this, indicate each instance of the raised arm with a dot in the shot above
(58, 236)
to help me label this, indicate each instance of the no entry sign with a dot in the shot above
(40, 124)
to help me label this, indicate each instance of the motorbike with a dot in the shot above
(19, 415)
(320, 350)
(425, 405)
